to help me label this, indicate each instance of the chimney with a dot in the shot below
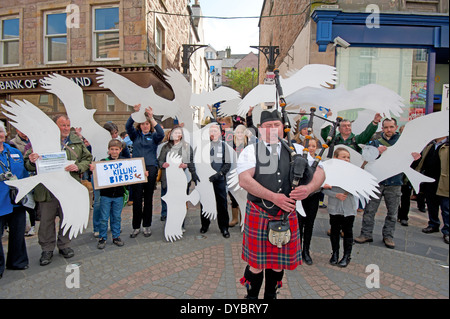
(228, 52)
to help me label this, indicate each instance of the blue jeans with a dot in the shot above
(111, 208)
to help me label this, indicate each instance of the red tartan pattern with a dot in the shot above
(258, 252)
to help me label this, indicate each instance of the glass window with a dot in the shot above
(159, 43)
(9, 42)
(110, 103)
(55, 38)
(106, 33)
(402, 70)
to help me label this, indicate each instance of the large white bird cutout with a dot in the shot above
(415, 136)
(180, 107)
(176, 198)
(72, 97)
(45, 135)
(202, 146)
(372, 97)
(351, 178)
(367, 100)
(312, 75)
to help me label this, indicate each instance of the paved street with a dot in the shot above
(209, 266)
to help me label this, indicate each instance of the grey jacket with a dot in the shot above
(347, 207)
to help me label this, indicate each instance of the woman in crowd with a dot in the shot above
(145, 136)
(177, 145)
(11, 167)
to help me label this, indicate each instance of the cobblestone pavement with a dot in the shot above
(209, 266)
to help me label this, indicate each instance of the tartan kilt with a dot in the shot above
(258, 252)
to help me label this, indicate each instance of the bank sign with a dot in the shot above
(30, 84)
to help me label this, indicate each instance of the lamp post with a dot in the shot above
(271, 53)
(188, 50)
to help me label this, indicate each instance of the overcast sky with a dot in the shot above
(239, 34)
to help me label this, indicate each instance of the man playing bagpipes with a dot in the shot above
(271, 241)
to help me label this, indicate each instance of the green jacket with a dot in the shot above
(353, 140)
(76, 151)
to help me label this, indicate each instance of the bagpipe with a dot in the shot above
(301, 172)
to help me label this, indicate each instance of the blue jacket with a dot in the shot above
(145, 145)
(396, 180)
(16, 163)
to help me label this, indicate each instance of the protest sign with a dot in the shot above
(119, 172)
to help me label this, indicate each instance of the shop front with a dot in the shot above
(406, 53)
(27, 85)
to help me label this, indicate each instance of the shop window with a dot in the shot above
(55, 50)
(401, 70)
(9, 42)
(106, 33)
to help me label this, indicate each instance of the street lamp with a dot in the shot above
(188, 50)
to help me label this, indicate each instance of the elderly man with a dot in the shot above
(264, 172)
(221, 163)
(49, 207)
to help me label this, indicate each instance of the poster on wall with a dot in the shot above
(418, 99)
(445, 98)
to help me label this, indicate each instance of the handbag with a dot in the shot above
(279, 231)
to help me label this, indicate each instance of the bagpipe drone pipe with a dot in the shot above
(301, 173)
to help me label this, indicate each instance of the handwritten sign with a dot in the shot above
(120, 172)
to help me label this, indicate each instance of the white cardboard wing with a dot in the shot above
(73, 99)
(416, 135)
(176, 198)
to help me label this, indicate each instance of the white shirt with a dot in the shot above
(247, 159)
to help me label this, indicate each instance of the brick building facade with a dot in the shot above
(134, 38)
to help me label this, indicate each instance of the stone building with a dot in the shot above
(400, 44)
(135, 38)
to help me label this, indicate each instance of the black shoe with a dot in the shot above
(307, 258)
(203, 230)
(67, 252)
(226, 233)
(344, 261)
(101, 243)
(163, 218)
(429, 230)
(446, 239)
(422, 210)
(46, 258)
(334, 257)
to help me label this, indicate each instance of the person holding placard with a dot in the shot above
(49, 207)
(111, 202)
(145, 137)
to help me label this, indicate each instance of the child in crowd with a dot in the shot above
(342, 208)
(111, 202)
(311, 206)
